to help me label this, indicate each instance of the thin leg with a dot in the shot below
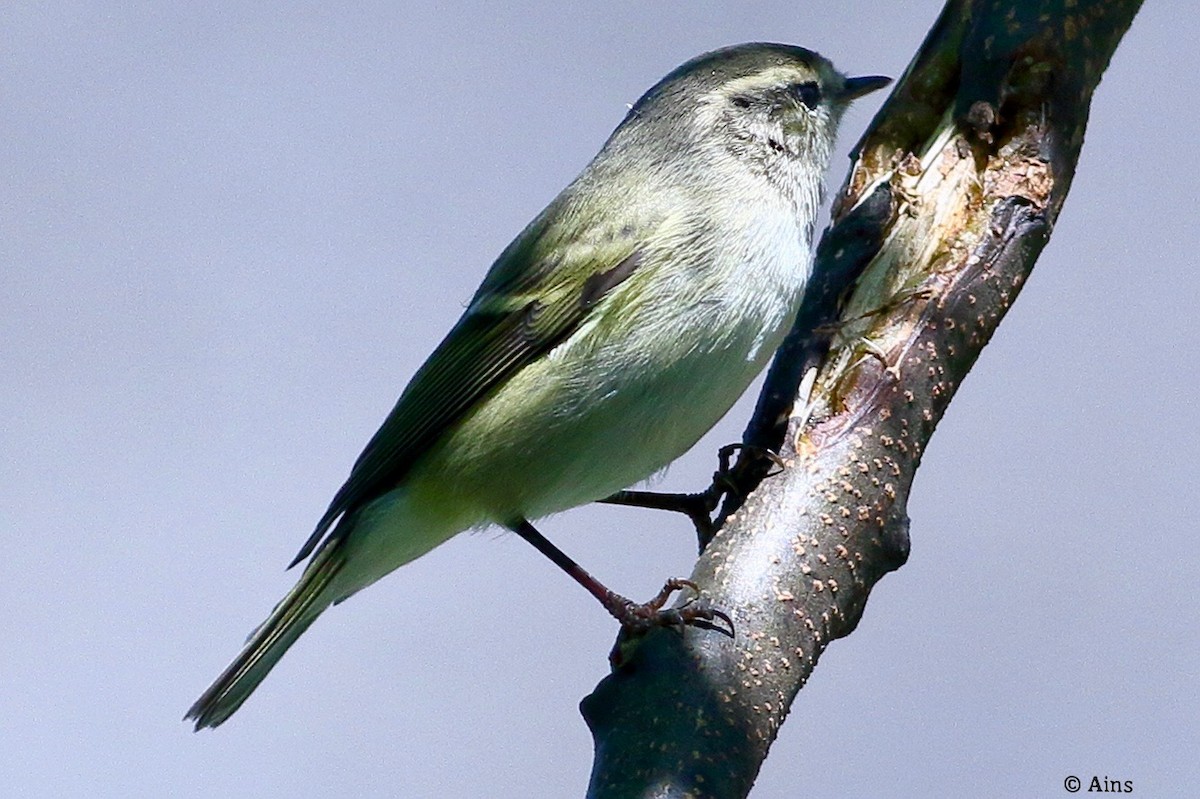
(633, 617)
(698, 507)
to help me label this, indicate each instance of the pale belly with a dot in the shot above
(561, 433)
(597, 417)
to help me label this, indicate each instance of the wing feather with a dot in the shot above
(516, 316)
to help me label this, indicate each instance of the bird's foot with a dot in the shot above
(637, 620)
(641, 618)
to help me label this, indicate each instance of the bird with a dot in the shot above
(614, 331)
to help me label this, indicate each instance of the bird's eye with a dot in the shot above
(808, 93)
(740, 101)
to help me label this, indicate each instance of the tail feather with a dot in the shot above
(270, 641)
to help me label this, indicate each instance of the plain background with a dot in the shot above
(229, 235)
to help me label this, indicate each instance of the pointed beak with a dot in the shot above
(857, 87)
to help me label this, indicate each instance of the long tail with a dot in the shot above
(266, 646)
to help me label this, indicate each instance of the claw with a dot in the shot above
(726, 452)
(705, 615)
(638, 619)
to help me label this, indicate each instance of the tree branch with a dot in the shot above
(964, 171)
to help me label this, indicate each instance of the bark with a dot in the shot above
(952, 196)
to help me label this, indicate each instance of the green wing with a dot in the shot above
(532, 299)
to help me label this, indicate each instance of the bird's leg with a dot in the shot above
(697, 506)
(634, 618)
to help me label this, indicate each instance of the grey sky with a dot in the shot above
(227, 238)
